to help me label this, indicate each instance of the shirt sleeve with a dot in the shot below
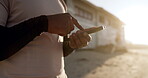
(3, 12)
(16, 37)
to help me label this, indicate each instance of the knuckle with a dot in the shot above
(72, 28)
(78, 32)
(85, 34)
(67, 14)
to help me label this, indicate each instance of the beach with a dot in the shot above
(94, 64)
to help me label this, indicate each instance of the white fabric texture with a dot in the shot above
(42, 57)
(3, 12)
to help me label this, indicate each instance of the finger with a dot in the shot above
(85, 35)
(82, 40)
(81, 37)
(76, 40)
(75, 22)
(72, 43)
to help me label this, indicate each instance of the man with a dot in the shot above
(32, 38)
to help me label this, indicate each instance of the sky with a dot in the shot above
(116, 6)
(134, 13)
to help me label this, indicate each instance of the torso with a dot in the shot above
(42, 57)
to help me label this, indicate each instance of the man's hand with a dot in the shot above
(62, 24)
(79, 39)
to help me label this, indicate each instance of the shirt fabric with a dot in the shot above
(42, 57)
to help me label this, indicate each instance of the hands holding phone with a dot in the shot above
(79, 39)
(62, 24)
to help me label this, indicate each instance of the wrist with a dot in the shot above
(45, 22)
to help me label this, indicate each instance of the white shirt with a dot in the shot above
(42, 57)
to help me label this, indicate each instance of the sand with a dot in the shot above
(94, 64)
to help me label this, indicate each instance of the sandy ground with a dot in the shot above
(93, 64)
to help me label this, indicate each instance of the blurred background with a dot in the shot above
(118, 51)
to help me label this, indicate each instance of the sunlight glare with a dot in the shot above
(136, 28)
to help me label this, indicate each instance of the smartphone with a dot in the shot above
(94, 29)
(89, 31)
